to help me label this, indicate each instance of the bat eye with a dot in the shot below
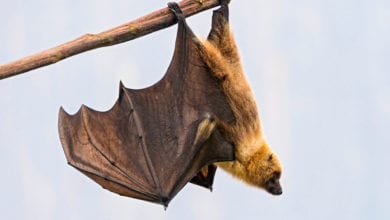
(277, 174)
(270, 157)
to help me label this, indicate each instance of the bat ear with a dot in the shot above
(270, 157)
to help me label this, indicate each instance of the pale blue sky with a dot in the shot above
(320, 71)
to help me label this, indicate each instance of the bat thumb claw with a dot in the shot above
(205, 129)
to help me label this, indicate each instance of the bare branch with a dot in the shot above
(142, 26)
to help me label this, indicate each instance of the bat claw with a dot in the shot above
(205, 129)
(165, 202)
(175, 8)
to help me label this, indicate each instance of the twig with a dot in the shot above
(142, 26)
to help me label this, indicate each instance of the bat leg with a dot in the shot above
(220, 25)
(205, 129)
(220, 35)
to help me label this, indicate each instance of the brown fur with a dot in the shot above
(255, 162)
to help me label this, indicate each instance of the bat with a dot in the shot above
(155, 140)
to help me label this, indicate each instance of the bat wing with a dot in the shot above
(154, 140)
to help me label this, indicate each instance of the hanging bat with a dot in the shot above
(200, 115)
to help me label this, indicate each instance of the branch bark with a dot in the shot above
(147, 24)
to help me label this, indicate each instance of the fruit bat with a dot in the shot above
(155, 140)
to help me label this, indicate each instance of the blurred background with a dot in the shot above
(320, 71)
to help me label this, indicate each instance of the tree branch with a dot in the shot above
(142, 26)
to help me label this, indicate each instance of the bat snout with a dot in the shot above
(276, 191)
(274, 187)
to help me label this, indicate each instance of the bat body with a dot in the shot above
(154, 141)
(254, 163)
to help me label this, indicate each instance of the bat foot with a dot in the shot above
(175, 8)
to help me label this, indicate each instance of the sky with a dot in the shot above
(320, 72)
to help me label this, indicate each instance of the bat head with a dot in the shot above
(265, 171)
(271, 175)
